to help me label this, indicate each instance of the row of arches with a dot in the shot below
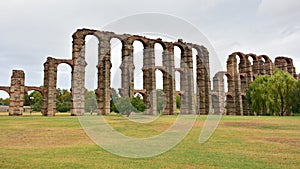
(161, 67)
(230, 86)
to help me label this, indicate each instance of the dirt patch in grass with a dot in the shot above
(244, 124)
(295, 142)
(46, 137)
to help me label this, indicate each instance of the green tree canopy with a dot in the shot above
(271, 94)
(63, 100)
(35, 100)
(294, 99)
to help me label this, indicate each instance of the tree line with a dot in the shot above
(123, 105)
(278, 94)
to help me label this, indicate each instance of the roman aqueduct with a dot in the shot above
(232, 102)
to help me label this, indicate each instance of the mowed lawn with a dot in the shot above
(238, 142)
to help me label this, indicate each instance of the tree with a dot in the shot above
(4, 102)
(35, 100)
(63, 100)
(294, 99)
(282, 85)
(90, 104)
(138, 103)
(114, 98)
(124, 106)
(178, 101)
(260, 96)
(271, 94)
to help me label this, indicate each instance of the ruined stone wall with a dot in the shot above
(285, 63)
(50, 82)
(17, 88)
(240, 75)
(103, 91)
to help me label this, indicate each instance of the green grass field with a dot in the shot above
(239, 142)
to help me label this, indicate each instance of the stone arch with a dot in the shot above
(290, 66)
(186, 78)
(141, 39)
(33, 88)
(285, 63)
(238, 67)
(251, 67)
(78, 64)
(234, 85)
(268, 64)
(4, 108)
(65, 61)
(28, 89)
(141, 92)
(5, 89)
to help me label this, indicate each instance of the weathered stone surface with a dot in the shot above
(239, 76)
(16, 92)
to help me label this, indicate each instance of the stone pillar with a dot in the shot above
(269, 67)
(231, 71)
(205, 54)
(104, 66)
(149, 81)
(238, 95)
(78, 74)
(218, 88)
(127, 70)
(290, 67)
(255, 68)
(203, 80)
(169, 79)
(50, 79)
(17, 90)
(281, 63)
(248, 72)
(187, 81)
(201, 92)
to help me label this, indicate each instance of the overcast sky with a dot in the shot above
(32, 30)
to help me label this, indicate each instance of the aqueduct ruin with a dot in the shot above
(103, 91)
(239, 76)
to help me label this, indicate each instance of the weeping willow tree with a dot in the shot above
(271, 94)
(260, 95)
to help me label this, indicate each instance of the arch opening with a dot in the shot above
(91, 74)
(33, 102)
(177, 56)
(4, 101)
(116, 61)
(158, 49)
(138, 61)
(63, 88)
